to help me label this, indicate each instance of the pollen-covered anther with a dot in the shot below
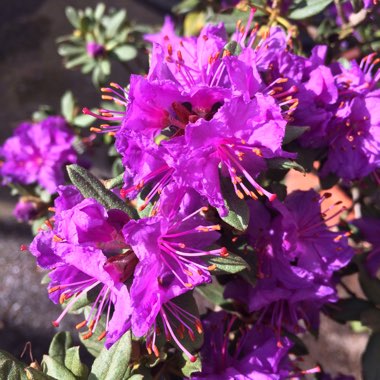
(239, 194)
(191, 335)
(79, 325)
(211, 267)
(188, 272)
(155, 350)
(53, 289)
(101, 336)
(188, 285)
(57, 239)
(198, 326)
(88, 335)
(257, 151)
(62, 298)
(48, 224)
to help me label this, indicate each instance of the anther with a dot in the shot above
(79, 325)
(101, 336)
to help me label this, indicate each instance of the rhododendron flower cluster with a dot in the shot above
(37, 153)
(201, 209)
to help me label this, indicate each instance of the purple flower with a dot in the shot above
(137, 267)
(94, 49)
(38, 153)
(170, 251)
(26, 210)
(257, 354)
(85, 250)
(296, 257)
(239, 137)
(201, 113)
(355, 138)
(370, 230)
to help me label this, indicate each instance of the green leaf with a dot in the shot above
(72, 16)
(115, 22)
(292, 132)
(308, 8)
(68, 105)
(113, 364)
(212, 292)
(59, 345)
(99, 11)
(230, 264)
(74, 364)
(187, 302)
(34, 374)
(186, 6)
(285, 164)
(77, 61)
(188, 367)
(91, 187)
(66, 49)
(56, 369)
(83, 121)
(233, 47)
(92, 344)
(11, 368)
(370, 358)
(125, 52)
(88, 67)
(238, 211)
(97, 76)
(114, 182)
(105, 66)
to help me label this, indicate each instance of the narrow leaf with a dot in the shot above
(72, 16)
(285, 164)
(308, 8)
(115, 22)
(68, 105)
(56, 369)
(74, 364)
(125, 52)
(113, 363)
(11, 368)
(230, 264)
(59, 345)
(238, 211)
(91, 187)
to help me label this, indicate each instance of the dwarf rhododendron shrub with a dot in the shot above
(193, 259)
